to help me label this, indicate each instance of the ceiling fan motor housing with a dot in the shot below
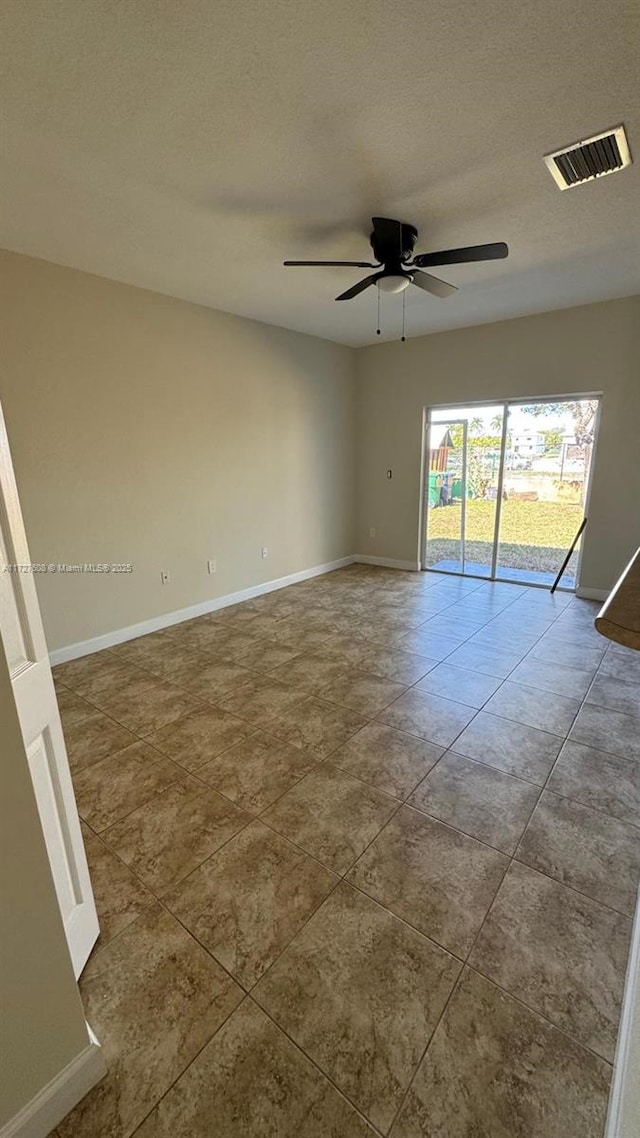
(390, 250)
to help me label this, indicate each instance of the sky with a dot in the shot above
(518, 419)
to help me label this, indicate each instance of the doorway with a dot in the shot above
(506, 487)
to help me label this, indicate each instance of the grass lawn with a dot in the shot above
(533, 535)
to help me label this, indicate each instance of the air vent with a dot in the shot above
(583, 161)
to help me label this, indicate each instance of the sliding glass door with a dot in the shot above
(505, 488)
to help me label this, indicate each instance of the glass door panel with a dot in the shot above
(547, 462)
(464, 448)
(445, 495)
(484, 441)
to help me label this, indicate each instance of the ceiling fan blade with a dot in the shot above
(352, 264)
(432, 284)
(359, 287)
(494, 252)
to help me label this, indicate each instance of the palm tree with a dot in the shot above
(496, 423)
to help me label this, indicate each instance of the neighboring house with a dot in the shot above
(527, 443)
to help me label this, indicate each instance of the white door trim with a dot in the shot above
(27, 655)
(624, 1101)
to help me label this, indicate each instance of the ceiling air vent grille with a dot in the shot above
(583, 161)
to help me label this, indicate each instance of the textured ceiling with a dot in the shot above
(190, 146)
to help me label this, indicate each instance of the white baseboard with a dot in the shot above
(165, 620)
(386, 562)
(40, 1116)
(624, 1100)
(592, 594)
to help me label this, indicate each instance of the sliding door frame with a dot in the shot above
(506, 404)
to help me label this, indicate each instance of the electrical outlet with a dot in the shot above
(211, 565)
(164, 576)
(264, 552)
(372, 531)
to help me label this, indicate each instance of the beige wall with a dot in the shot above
(587, 349)
(152, 431)
(42, 1025)
(148, 430)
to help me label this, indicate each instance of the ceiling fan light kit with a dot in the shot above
(394, 282)
(393, 243)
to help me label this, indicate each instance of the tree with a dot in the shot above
(583, 413)
(496, 422)
(475, 424)
(553, 438)
(486, 442)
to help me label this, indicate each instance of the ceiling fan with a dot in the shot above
(392, 243)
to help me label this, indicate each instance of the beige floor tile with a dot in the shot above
(145, 704)
(426, 643)
(200, 635)
(607, 730)
(233, 644)
(567, 654)
(460, 684)
(174, 832)
(390, 760)
(73, 708)
(559, 952)
(452, 623)
(489, 661)
(261, 700)
(109, 790)
(477, 799)
(89, 673)
(437, 720)
(209, 678)
(551, 677)
(361, 692)
(251, 1081)
(360, 993)
(266, 656)
(154, 998)
(145, 650)
(585, 849)
(441, 881)
(494, 1069)
(395, 664)
(554, 713)
(247, 902)
(94, 738)
(616, 694)
(294, 706)
(199, 736)
(510, 747)
(299, 634)
(120, 897)
(164, 662)
(308, 671)
(332, 816)
(604, 782)
(256, 624)
(256, 771)
(620, 666)
(316, 726)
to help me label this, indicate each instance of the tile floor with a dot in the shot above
(365, 853)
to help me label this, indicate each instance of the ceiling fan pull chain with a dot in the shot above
(378, 324)
(404, 317)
